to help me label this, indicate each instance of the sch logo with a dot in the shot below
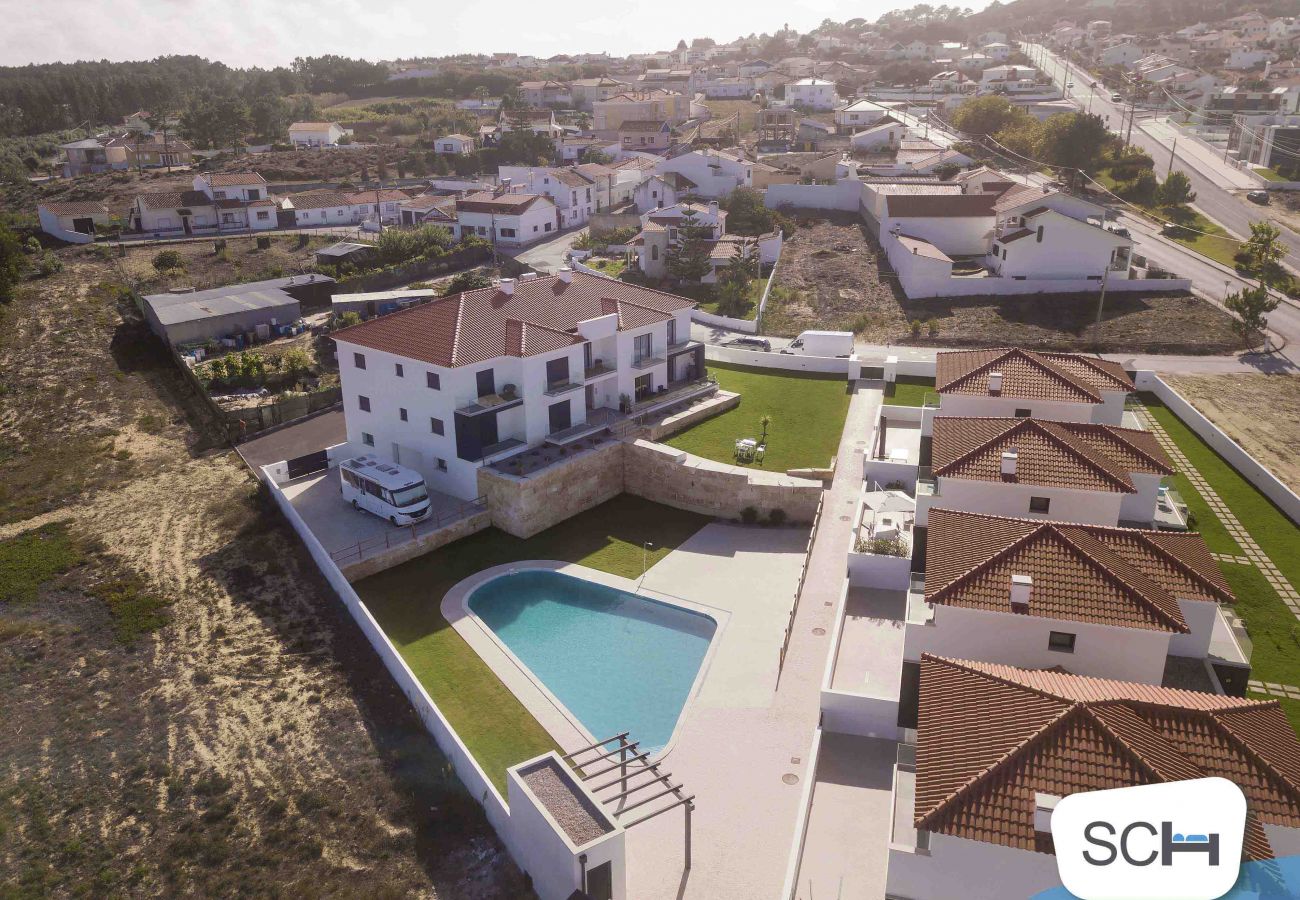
(1176, 841)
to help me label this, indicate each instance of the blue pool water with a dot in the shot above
(617, 661)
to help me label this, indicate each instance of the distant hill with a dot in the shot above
(1137, 16)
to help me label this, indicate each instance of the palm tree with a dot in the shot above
(765, 422)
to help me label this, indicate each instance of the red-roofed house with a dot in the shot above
(997, 746)
(507, 219)
(1111, 602)
(463, 381)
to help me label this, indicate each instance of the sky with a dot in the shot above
(268, 33)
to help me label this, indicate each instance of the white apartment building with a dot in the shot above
(1036, 468)
(1062, 387)
(1109, 602)
(997, 747)
(467, 380)
(507, 219)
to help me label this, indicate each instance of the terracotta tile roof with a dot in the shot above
(637, 125)
(921, 247)
(173, 199)
(387, 195)
(456, 136)
(77, 208)
(232, 179)
(1018, 195)
(570, 177)
(990, 736)
(475, 326)
(319, 200)
(312, 126)
(1057, 454)
(945, 206)
(1029, 374)
(486, 201)
(1127, 577)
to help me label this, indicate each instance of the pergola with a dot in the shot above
(635, 774)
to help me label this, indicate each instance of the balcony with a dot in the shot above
(598, 369)
(489, 403)
(646, 362)
(554, 389)
(926, 484)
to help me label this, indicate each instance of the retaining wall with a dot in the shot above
(423, 543)
(845, 194)
(847, 366)
(1249, 467)
(916, 287)
(706, 409)
(678, 479)
(525, 505)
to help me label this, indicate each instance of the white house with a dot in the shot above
(467, 380)
(1110, 602)
(959, 225)
(574, 194)
(861, 113)
(1063, 387)
(728, 87)
(883, 136)
(662, 190)
(319, 208)
(716, 173)
(454, 144)
(242, 186)
(1248, 58)
(173, 213)
(997, 50)
(699, 215)
(812, 93)
(1048, 244)
(73, 221)
(998, 747)
(1036, 468)
(1122, 54)
(380, 205)
(510, 220)
(317, 134)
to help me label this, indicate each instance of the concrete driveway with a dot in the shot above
(548, 256)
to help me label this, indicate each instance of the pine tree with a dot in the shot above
(688, 258)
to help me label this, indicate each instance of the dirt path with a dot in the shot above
(1260, 412)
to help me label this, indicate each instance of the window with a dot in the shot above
(1061, 641)
(436, 426)
(654, 251)
(359, 360)
(1039, 504)
(367, 439)
(1023, 414)
(401, 413)
(263, 215)
(442, 464)
(672, 332)
(433, 380)
(400, 372)
(254, 194)
(338, 212)
(548, 227)
(486, 382)
(364, 402)
(1039, 239)
(534, 228)
(507, 232)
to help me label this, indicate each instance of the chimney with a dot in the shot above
(1044, 806)
(1021, 587)
(507, 285)
(995, 383)
(1009, 458)
(713, 207)
(566, 274)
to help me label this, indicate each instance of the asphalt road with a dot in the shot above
(1229, 209)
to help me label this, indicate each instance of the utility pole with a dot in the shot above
(1173, 151)
(1101, 302)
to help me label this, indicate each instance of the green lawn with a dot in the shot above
(610, 267)
(909, 390)
(1269, 175)
(807, 413)
(1273, 628)
(405, 600)
(1220, 249)
(32, 558)
(706, 294)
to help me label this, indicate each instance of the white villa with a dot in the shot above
(464, 381)
(317, 134)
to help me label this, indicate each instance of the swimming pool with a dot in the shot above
(617, 661)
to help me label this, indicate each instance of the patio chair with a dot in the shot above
(758, 453)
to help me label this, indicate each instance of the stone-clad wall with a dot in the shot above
(674, 478)
(425, 543)
(523, 506)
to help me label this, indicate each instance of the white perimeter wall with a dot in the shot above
(1128, 654)
(845, 194)
(972, 870)
(847, 366)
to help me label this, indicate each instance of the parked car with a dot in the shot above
(1260, 197)
(1117, 98)
(1069, 85)
(750, 343)
(1119, 230)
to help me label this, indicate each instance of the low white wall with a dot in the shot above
(747, 326)
(893, 573)
(845, 194)
(832, 365)
(801, 822)
(918, 287)
(1249, 467)
(471, 774)
(50, 225)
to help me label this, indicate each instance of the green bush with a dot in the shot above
(48, 265)
(167, 260)
(749, 515)
(776, 517)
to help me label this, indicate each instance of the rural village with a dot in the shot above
(782, 468)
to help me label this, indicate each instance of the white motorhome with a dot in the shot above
(386, 489)
(822, 343)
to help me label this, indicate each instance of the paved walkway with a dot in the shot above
(1250, 549)
(1285, 691)
(1197, 154)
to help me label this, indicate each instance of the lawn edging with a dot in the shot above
(1233, 453)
